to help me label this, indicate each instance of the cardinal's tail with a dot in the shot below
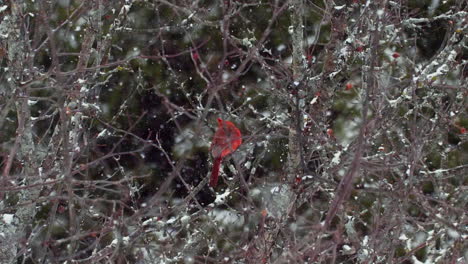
(215, 172)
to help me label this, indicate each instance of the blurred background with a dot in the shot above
(353, 117)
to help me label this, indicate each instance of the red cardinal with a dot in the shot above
(227, 138)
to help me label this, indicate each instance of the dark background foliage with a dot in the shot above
(353, 117)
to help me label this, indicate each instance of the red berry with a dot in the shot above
(195, 56)
(330, 132)
(360, 49)
(462, 130)
(61, 209)
(396, 55)
(349, 86)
